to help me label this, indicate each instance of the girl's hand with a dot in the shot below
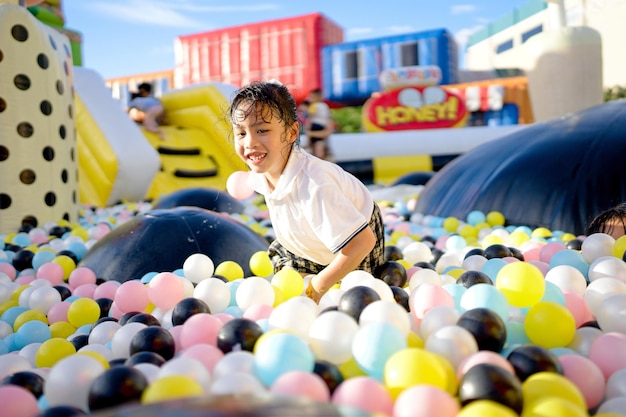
(312, 293)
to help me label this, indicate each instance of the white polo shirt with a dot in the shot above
(316, 207)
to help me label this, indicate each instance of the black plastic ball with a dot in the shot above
(145, 357)
(329, 372)
(105, 306)
(221, 278)
(401, 297)
(153, 339)
(528, 360)
(471, 277)
(186, 308)
(23, 259)
(116, 386)
(145, 318)
(516, 253)
(31, 381)
(62, 411)
(117, 362)
(353, 301)
(126, 316)
(58, 231)
(238, 334)
(392, 272)
(102, 320)
(69, 254)
(486, 326)
(437, 254)
(392, 253)
(329, 308)
(425, 265)
(486, 381)
(64, 291)
(474, 251)
(574, 244)
(80, 341)
(497, 250)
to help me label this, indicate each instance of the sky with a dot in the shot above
(126, 37)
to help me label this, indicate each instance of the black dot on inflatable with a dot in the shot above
(50, 199)
(19, 33)
(153, 339)
(3, 105)
(48, 153)
(21, 81)
(43, 61)
(25, 129)
(27, 176)
(68, 52)
(4, 153)
(30, 220)
(52, 42)
(64, 176)
(45, 107)
(60, 88)
(62, 131)
(5, 201)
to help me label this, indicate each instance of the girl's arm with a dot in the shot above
(345, 261)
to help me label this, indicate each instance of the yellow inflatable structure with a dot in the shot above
(120, 161)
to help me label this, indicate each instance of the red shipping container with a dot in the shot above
(288, 50)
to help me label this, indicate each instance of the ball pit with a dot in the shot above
(468, 317)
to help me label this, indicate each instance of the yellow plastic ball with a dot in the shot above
(351, 369)
(83, 311)
(486, 408)
(414, 341)
(230, 270)
(553, 407)
(541, 232)
(542, 385)
(289, 282)
(18, 291)
(518, 237)
(468, 231)
(171, 387)
(279, 297)
(66, 263)
(62, 329)
(406, 264)
(7, 305)
(619, 247)
(29, 315)
(566, 237)
(80, 232)
(413, 366)
(522, 283)
(97, 356)
(260, 264)
(495, 218)
(455, 272)
(491, 240)
(53, 350)
(451, 224)
(549, 325)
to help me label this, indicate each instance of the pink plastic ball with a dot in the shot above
(550, 248)
(106, 290)
(425, 401)
(18, 402)
(80, 276)
(8, 269)
(85, 290)
(58, 312)
(132, 296)
(165, 290)
(237, 185)
(586, 375)
(301, 384)
(51, 271)
(209, 355)
(363, 393)
(257, 312)
(201, 328)
(576, 305)
(483, 356)
(609, 352)
(427, 296)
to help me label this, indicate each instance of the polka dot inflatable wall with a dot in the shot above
(37, 135)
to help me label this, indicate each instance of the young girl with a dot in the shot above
(325, 219)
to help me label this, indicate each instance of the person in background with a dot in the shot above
(319, 124)
(611, 221)
(325, 219)
(146, 109)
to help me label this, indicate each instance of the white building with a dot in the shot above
(501, 44)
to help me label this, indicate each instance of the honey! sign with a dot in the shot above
(431, 107)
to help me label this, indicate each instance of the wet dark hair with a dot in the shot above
(601, 223)
(272, 98)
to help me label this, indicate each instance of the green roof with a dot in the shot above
(510, 19)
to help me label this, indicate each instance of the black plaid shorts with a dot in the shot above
(282, 258)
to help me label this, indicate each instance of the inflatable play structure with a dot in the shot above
(557, 174)
(120, 161)
(38, 147)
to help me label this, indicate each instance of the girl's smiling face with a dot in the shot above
(263, 141)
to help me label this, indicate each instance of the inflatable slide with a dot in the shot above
(119, 161)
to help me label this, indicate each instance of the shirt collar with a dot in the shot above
(286, 182)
